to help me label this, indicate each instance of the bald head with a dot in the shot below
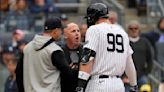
(70, 26)
(72, 34)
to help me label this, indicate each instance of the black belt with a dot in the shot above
(107, 76)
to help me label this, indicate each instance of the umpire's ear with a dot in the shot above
(65, 33)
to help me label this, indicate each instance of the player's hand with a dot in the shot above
(125, 80)
(87, 67)
(79, 89)
(134, 88)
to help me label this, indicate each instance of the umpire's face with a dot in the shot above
(72, 34)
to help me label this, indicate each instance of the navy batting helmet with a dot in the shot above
(96, 11)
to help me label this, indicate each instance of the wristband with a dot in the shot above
(83, 75)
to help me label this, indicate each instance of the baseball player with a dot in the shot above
(106, 55)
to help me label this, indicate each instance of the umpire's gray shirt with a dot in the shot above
(40, 75)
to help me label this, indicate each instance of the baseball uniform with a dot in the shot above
(111, 44)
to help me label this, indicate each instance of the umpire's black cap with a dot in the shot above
(53, 23)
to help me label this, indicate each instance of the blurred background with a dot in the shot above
(20, 20)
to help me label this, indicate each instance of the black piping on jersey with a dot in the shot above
(46, 44)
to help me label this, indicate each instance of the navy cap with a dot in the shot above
(52, 23)
(8, 49)
(63, 17)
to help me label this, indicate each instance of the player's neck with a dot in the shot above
(103, 20)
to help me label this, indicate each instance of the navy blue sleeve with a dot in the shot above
(59, 61)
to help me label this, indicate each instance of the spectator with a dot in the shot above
(7, 55)
(19, 17)
(43, 61)
(17, 37)
(83, 29)
(4, 8)
(4, 5)
(72, 50)
(42, 6)
(157, 35)
(64, 19)
(10, 85)
(3, 75)
(113, 18)
(142, 55)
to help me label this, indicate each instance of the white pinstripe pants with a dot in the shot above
(111, 84)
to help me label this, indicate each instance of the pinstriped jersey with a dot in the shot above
(111, 44)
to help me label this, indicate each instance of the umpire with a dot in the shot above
(43, 61)
(72, 49)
